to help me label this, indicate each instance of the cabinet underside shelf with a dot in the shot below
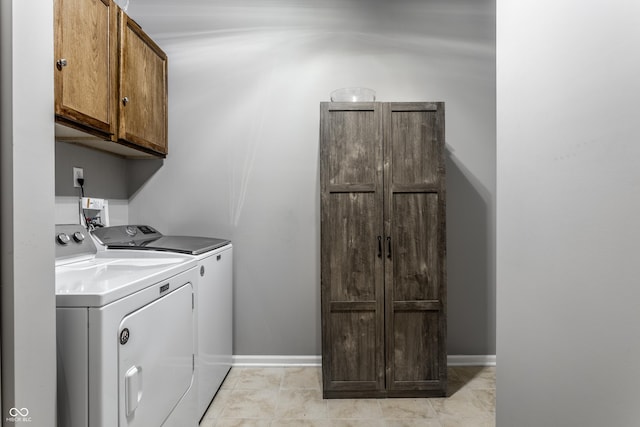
(65, 133)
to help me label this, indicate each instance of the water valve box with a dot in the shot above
(92, 203)
(94, 212)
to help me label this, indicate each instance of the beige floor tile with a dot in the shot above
(239, 422)
(463, 404)
(208, 422)
(412, 423)
(259, 378)
(449, 421)
(300, 423)
(218, 404)
(231, 379)
(354, 409)
(301, 404)
(407, 408)
(282, 397)
(302, 377)
(476, 377)
(486, 399)
(251, 404)
(357, 423)
(470, 377)
(483, 381)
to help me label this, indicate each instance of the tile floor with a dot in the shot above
(292, 396)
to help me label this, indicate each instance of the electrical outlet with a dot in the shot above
(77, 173)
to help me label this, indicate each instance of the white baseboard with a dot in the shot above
(277, 361)
(471, 360)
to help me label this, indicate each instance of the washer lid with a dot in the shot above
(146, 237)
(180, 244)
(110, 276)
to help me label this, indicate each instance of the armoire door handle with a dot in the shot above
(379, 246)
(389, 247)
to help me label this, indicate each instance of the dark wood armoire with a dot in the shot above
(383, 253)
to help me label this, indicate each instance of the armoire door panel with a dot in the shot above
(354, 351)
(353, 145)
(414, 355)
(350, 236)
(416, 271)
(413, 136)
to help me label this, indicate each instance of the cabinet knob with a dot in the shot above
(125, 100)
(61, 63)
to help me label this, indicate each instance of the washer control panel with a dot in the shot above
(126, 235)
(71, 240)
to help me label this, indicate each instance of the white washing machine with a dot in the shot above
(126, 335)
(214, 296)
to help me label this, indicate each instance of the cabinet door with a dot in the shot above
(415, 271)
(143, 89)
(351, 264)
(85, 74)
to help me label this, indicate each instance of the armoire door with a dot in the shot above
(415, 263)
(352, 262)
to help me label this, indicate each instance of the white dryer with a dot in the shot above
(125, 335)
(214, 295)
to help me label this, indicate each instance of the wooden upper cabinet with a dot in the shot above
(142, 89)
(85, 68)
(110, 81)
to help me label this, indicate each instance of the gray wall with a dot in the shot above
(27, 198)
(245, 82)
(568, 208)
(105, 175)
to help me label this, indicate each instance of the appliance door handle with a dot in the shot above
(133, 389)
(389, 247)
(379, 246)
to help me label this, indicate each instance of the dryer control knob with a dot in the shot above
(124, 336)
(202, 270)
(63, 238)
(78, 236)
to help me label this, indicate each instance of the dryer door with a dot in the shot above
(155, 359)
